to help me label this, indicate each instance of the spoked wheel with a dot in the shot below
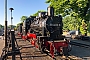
(69, 48)
(65, 51)
(41, 48)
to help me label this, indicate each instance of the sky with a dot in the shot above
(21, 8)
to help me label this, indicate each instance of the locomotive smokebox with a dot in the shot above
(50, 11)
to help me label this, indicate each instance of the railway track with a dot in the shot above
(36, 54)
(80, 44)
(29, 52)
(85, 38)
(70, 57)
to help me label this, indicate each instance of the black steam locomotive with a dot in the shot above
(45, 33)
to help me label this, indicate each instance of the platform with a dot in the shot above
(1, 44)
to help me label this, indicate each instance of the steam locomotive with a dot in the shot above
(19, 29)
(45, 33)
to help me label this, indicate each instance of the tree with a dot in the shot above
(18, 25)
(23, 18)
(83, 28)
(36, 14)
(0, 26)
(80, 7)
(71, 23)
(13, 26)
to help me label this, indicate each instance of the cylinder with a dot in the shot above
(50, 11)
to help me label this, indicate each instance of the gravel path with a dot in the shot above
(1, 45)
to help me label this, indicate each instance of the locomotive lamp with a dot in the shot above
(11, 16)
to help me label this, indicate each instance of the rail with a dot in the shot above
(80, 44)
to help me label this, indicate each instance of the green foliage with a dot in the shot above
(71, 23)
(36, 14)
(18, 25)
(13, 26)
(23, 18)
(83, 27)
(79, 7)
(1, 26)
